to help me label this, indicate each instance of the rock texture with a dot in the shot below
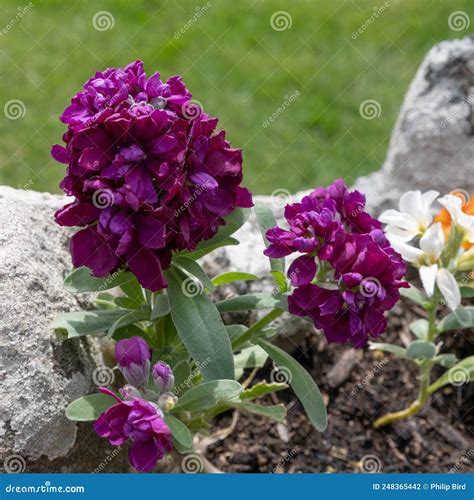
(432, 145)
(39, 374)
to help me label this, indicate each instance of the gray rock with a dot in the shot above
(432, 145)
(40, 374)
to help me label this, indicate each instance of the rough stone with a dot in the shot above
(432, 145)
(39, 373)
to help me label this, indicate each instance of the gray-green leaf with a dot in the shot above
(208, 394)
(80, 323)
(421, 349)
(201, 329)
(88, 408)
(302, 383)
(181, 434)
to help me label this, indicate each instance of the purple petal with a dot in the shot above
(302, 270)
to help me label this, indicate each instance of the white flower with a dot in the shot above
(413, 218)
(426, 258)
(453, 205)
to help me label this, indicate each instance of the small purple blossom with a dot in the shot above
(148, 179)
(162, 376)
(142, 423)
(361, 272)
(133, 357)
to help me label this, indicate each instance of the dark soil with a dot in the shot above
(362, 387)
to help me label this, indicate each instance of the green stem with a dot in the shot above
(256, 327)
(425, 372)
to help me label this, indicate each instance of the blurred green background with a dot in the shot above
(236, 64)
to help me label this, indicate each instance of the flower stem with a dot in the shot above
(425, 372)
(256, 327)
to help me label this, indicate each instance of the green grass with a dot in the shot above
(237, 66)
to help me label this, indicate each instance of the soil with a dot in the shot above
(358, 386)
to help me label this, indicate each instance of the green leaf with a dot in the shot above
(419, 328)
(198, 254)
(181, 434)
(233, 276)
(126, 303)
(281, 281)
(421, 349)
(88, 408)
(192, 268)
(235, 331)
(261, 389)
(161, 307)
(233, 222)
(80, 280)
(460, 373)
(394, 349)
(467, 292)
(129, 331)
(414, 295)
(133, 291)
(250, 357)
(462, 318)
(208, 394)
(266, 220)
(302, 383)
(126, 320)
(249, 302)
(445, 360)
(276, 412)
(80, 323)
(201, 330)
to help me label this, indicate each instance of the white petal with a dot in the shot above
(453, 205)
(408, 252)
(399, 219)
(399, 233)
(428, 278)
(449, 288)
(427, 200)
(411, 203)
(432, 242)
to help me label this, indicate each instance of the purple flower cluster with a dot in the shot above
(135, 418)
(348, 275)
(148, 170)
(141, 422)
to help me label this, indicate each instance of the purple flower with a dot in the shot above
(147, 177)
(361, 273)
(133, 357)
(162, 376)
(142, 423)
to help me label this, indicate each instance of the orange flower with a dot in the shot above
(444, 217)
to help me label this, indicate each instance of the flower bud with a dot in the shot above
(466, 261)
(163, 376)
(133, 357)
(167, 401)
(129, 392)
